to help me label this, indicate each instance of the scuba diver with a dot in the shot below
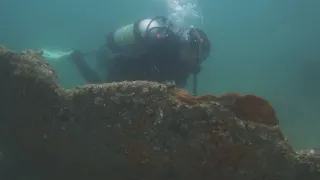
(149, 49)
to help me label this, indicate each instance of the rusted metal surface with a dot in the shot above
(135, 131)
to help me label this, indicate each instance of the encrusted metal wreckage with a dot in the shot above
(136, 131)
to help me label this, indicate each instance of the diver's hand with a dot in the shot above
(53, 56)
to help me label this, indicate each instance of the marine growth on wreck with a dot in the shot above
(136, 130)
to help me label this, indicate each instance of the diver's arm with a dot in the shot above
(181, 79)
(183, 74)
(88, 74)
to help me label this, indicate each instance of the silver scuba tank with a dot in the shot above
(132, 35)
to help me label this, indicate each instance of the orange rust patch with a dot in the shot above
(245, 107)
(184, 96)
(253, 108)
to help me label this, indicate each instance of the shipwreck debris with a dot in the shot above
(135, 130)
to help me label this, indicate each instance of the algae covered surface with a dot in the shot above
(135, 131)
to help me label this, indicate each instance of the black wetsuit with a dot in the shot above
(159, 63)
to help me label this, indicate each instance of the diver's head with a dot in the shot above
(195, 46)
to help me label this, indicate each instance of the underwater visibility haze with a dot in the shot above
(268, 48)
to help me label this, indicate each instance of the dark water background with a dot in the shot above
(269, 48)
